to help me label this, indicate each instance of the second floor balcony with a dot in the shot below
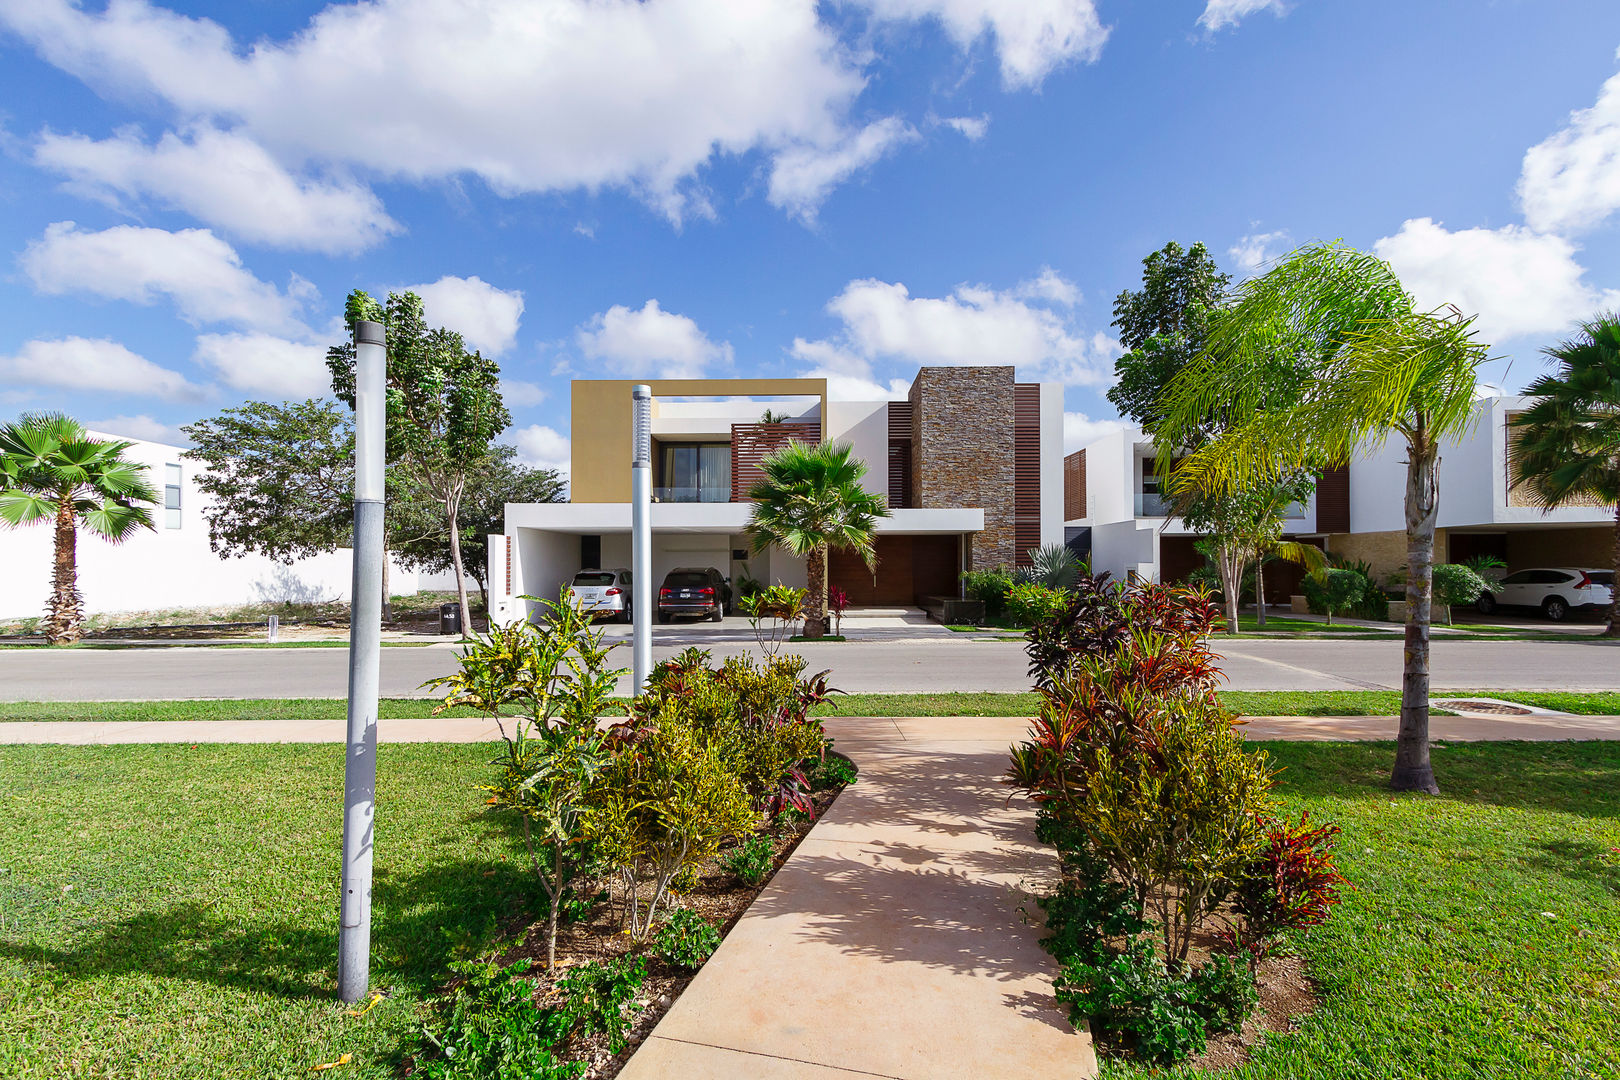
(693, 494)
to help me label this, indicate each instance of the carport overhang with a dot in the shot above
(600, 518)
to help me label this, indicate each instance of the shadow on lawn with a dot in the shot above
(420, 922)
(1580, 778)
(1580, 860)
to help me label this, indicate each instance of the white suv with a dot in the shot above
(603, 592)
(1556, 591)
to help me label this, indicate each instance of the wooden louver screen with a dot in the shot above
(1026, 469)
(1074, 486)
(750, 443)
(1333, 500)
(900, 493)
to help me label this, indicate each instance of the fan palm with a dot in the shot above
(1567, 443)
(52, 470)
(1362, 365)
(809, 502)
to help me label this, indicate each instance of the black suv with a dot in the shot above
(694, 590)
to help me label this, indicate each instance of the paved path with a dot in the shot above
(945, 664)
(893, 943)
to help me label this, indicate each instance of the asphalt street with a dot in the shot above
(938, 665)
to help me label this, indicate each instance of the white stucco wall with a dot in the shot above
(865, 426)
(1051, 463)
(169, 568)
(1123, 548)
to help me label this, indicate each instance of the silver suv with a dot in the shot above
(1556, 591)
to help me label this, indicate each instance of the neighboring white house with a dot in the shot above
(172, 566)
(970, 463)
(1112, 497)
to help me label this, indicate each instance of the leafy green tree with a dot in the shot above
(1567, 443)
(811, 501)
(1245, 526)
(444, 407)
(1455, 585)
(499, 480)
(1163, 325)
(1369, 367)
(52, 470)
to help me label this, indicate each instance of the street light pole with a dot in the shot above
(641, 590)
(365, 633)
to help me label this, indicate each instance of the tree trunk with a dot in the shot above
(1231, 583)
(1413, 771)
(452, 507)
(815, 622)
(1260, 593)
(64, 618)
(1614, 586)
(387, 607)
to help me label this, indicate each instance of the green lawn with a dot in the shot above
(170, 912)
(1482, 936)
(1250, 702)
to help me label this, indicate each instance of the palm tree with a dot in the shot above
(811, 501)
(51, 470)
(1567, 444)
(1322, 357)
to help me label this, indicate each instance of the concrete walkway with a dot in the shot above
(895, 942)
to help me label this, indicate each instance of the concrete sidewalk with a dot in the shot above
(898, 940)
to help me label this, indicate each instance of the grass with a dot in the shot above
(1482, 936)
(421, 605)
(1248, 702)
(169, 912)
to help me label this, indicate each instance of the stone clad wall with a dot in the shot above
(962, 452)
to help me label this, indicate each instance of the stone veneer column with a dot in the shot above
(962, 452)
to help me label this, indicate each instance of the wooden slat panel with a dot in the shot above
(1333, 501)
(900, 434)
(899, 420)
(1026, 469)
(750, 443)
(1074, 486)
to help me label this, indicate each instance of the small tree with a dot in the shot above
(811, 501)
(1163, 325)
(444, 407)
(52, 470)
(1567, 443)
(1455, 584)
(1335, 591)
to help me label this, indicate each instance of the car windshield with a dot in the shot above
(1602, 577)
(592, 579)
(686, 580)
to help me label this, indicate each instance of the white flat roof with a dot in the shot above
(592, 518)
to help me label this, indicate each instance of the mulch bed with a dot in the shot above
(719, 896)
(1286, 994)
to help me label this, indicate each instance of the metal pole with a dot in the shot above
(365, 632)
(641, 590)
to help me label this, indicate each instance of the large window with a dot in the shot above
(695, 472)
(171, 496)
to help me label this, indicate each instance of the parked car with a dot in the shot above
(694, 590)
(1556, 591)
(603, 592)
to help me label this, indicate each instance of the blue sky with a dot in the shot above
(600, 187)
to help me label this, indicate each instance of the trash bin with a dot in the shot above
(450, 619)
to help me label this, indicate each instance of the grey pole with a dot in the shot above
(641, 589)
(365, 633)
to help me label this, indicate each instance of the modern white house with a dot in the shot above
(970, 463)
(172, 566)
(1112, 499)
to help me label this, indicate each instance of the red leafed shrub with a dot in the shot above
(837, 603)
(1291, 883)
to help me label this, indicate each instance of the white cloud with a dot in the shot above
(802, 177)
(141, 426)
(224, 179)
(1571, 181)
(94, 364)
(973, 325)
(1033, 37)
(1517, 281)
(485, 316)
(849, 377)
(1219, 14)
(200, 273)
(972, 128)
(543, 448)
(1080, 430)
(1255, 250)
(521, 394)
(1049, 285)
(650, 342)
(266, 364)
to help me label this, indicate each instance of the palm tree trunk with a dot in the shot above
(1614, 586)
(1260, 593)
(64, 622)
(1413, 771)
(815, 623)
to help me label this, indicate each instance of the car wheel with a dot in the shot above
(626, 615)
(1555, 608)
(1486, 604)
(719, 613)
(663, 616)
